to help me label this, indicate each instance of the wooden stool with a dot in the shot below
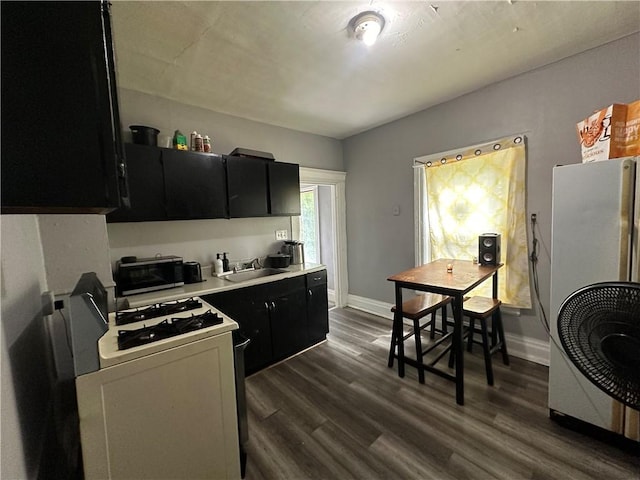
(481, 308)
(416, 309)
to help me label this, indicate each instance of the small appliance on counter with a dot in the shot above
(295, 249)
(192, 272)
(279, 260)
(141, 275)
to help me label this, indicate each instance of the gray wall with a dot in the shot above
(228, 132)
(545, 104)
(26, 389)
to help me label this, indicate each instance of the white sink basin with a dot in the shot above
(250, 275)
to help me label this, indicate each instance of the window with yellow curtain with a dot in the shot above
(481, 189)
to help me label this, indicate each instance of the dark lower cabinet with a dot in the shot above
(317, 306)
(288, 317)
(246, 307)
(280, 318)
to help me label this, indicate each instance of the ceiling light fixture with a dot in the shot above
(367, 26)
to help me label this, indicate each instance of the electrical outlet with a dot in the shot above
(281, 234)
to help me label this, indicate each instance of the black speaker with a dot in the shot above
(489, 248)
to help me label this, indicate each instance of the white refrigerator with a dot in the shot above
(594, 236)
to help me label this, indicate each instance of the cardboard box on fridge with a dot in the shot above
(612, 132)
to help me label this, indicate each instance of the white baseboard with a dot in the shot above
(527, 348)
(331, 296)
(531, 349)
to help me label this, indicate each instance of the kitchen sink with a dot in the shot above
(251, 274)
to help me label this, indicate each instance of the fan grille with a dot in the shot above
(599, 328)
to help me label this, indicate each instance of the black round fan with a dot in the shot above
(599, 327)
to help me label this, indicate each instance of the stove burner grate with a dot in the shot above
(165, 329)
(157, 310)
(196, 322)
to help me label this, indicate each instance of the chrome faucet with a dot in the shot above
(252, 265)
(255, 263)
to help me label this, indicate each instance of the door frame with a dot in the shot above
(337, 180)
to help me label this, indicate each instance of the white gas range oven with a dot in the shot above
(156, 392)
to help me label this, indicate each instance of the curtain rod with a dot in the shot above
(470, 152)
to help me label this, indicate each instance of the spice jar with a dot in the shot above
(206, 143)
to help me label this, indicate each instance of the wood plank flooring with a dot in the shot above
(337, 411)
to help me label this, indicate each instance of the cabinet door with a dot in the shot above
(249, 308)
(289, 320)
(247, 187)
(146, 186)
(61, 145)
(317, 306)
(195, 185)
(284, 188)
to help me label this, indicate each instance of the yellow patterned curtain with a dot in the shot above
(482, 191)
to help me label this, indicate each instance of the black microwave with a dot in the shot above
(148, 274)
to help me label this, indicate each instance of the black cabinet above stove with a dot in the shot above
(195, 185)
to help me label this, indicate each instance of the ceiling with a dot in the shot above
(297, 65)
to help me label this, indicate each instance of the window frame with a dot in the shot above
(314, 190)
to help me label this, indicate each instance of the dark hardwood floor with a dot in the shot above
(337, 411)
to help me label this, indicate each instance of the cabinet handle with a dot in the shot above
(310, 293)
(273, 306)
(266, 305)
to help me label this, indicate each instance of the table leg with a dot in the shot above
(397, 330)
(458, 348)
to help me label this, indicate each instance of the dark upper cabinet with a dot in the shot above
(61, 145)
(259, 187)
(167, 184)
(146, 186)
(247, 187)
(195, 185)
(284, 188)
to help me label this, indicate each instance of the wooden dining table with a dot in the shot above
(446, 276)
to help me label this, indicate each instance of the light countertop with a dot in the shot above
(213, 284)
